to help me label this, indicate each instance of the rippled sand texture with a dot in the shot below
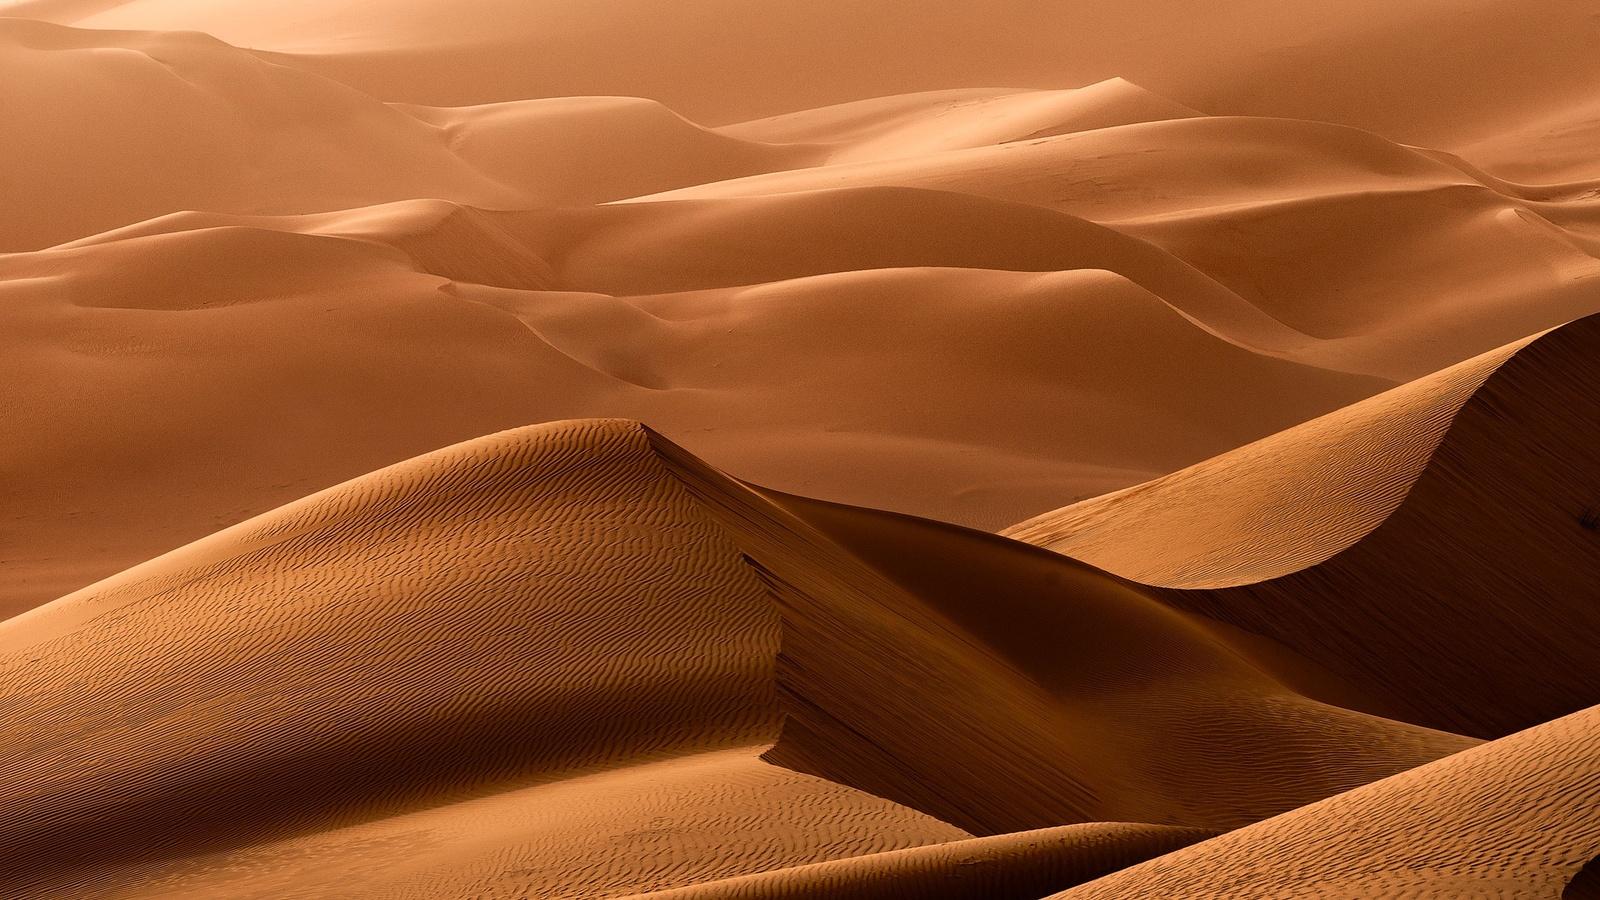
(890, 449)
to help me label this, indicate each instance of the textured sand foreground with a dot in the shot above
(721, 449)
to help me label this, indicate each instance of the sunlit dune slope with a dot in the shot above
(1017, 866)
(1438, 539)
(1515, 818)
(919, 124)
(420, 673)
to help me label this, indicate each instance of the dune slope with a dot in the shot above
(1514, 818)
(1424, 539)
(441, 323)
(581, 613)
(1431, 71)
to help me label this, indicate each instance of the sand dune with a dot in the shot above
(403, 300)
(1318, 226)
(1335, 262)
(177, 120)
(1431, 71)
(1430, 520)
(1518, 817)
(1006, 866)
(918, 124)
(559, 609)
(1274, 324)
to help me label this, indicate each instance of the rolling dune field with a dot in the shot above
(737, 450)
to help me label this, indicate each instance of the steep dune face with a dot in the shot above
(1518, 818)
(1429, 521)
(582, 614)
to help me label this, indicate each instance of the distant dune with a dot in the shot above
(980, 451)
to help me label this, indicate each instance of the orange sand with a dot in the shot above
(1265, 333)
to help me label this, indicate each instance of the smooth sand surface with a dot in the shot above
(1421, 539)
(890, 449)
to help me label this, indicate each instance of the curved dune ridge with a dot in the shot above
(1516, 818)
(426, 672)
(1421, 539)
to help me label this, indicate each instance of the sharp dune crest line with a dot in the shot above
(604, 603)
(1429, 519)
(714, 449)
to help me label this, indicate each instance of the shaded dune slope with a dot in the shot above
(1514, 818)
(1424, 539)
(369, 649)
(363, 675)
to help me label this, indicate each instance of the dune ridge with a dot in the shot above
(1516, 817)
(450, 322)
(1346, 254)
(1463, 498)
(636, 608)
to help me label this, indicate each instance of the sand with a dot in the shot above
(1446, 512)
(566, 607)
(733, 449)
(1513, 818)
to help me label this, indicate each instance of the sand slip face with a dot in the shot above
(1446, 512)
(582, 613)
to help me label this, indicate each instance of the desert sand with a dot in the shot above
(733, 449)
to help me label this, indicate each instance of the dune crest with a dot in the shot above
(1430, 520)
(1517, 817)
(548, 605)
